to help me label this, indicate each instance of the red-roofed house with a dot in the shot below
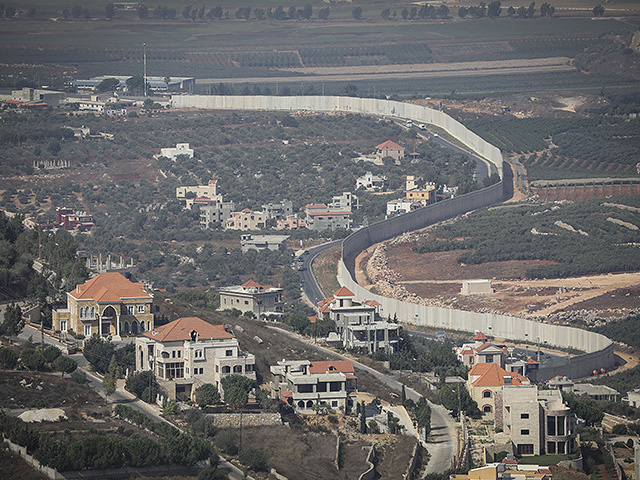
(358, 325)
(310, 386)
(390, 149)
(106, 305)
(485, 379)
(189, 352)
(252, 297)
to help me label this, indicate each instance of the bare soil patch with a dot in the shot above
(393, 458)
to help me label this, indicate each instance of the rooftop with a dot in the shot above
(182, 329)
(109, 287)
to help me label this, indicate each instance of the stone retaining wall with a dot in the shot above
(232, 420)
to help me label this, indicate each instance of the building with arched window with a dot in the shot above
(485, 379)
(190, 352)
(107, 304)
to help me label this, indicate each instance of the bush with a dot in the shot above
(32, 358)
(50, 353)
(254, 458)
(171, 408)
(8, 359)
(139, 384)
(79, 377)
(213, 473)
(207, 394)
(227, 442)
(65, 364)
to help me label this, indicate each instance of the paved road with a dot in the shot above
(308, 282)
(442, 443)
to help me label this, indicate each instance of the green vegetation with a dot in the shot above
(207, 394)
(582, 147)
(624, 330)
(533, 233)
(64, 452)
(143, 385)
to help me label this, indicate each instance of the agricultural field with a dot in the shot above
(548, 258)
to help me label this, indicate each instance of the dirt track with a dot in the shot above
(390, 72)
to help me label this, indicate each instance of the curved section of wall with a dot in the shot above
(598, 348)
(368, 106)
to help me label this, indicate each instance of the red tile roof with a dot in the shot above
(251, 284)
(324, 301)
(389, 145)
(492, 375)
(373, 303)
(180, 330)
(334, 366)
(109, 287)
(343, 292)
(325, 309)
(479, 336)
(329, 212)
(313, 318)
(531, 361)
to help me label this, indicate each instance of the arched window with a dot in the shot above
(486, 394)
(226, 369)
(486, 409)
(309, 403)
(301, 404)
(237, 369)
(126, 327)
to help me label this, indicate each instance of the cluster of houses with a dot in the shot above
(215, 210)
(190, 352)
(71, 220)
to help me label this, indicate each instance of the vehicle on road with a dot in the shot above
(422, 126)
(409, 123)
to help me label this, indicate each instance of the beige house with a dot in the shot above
(108, 304)
(200, 191)
(537, 421)
(390, 149)
(252, 297)
(190, 352)
(246, 220)
(307, 386)
(487, 379)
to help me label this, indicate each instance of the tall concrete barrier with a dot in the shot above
(598, 349)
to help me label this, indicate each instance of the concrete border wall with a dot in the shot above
(368, 106)
(598, 348)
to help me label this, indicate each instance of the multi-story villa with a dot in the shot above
(190, 352)
(108, 304)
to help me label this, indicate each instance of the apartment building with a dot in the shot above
(390, 149)
(190, 352)
(252, 297)
(246, 220)
(172, 153)
(537, 421)
(485, 380)
(308, 386)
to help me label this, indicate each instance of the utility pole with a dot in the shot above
(144, 63)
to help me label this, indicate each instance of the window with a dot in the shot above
(229, 353)
(489, 359)
(179, 353)
(524, 431)
(226, 369)
(87, 330)
(525, 449)
(173, 354)
(322, 387)
(141, 308)
(334, 403)
(237, 369)
(63, 325)
(246, 302)
(486, 394)
(335, 386)
(130, 310)
(551, 447)
(174, 370)
(305, 388)
(551, 426)
(524, 416)
(486, 409)
(199, 354)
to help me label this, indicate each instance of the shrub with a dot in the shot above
(254, 458)
(171, 408)
(79, 377)
(207, 394)
(8, 359)
(227, 442)
(65, 364)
